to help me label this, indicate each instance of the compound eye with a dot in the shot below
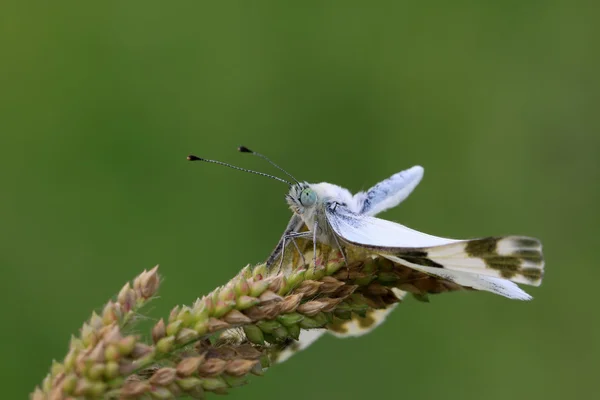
(308, 197)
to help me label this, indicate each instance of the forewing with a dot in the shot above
(388, 193)
(483, 264)
(365, 231)
(516, 258)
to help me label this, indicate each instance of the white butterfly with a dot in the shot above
(335, 217)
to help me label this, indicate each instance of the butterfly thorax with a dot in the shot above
(309, 201)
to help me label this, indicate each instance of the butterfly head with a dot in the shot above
(301, 197)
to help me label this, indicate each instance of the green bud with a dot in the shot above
(56, 368)
(260, 270)
(383, 264)
(96, 389)
(200, 311)
(364, 281)
(88, 336)
(174, 327)
(334, 264)
(111, 369)
(69, 362)
(290, 319)
(195, 393)
(294, 331)
(235, 381)
(245, 302)
(358, 304)
(387, 277)
(185, 316)
(318, 321)
(254, 334)
(76, 343)
(369, 267)
(96, 321)
(258, 287)
(265, 361)
(246, 272)
(213, 384)
(165, 344)
(226, 294)
(294, 280)
(161, 393)
(201, 327)
(241, 287)
(268, 326)
(126, 345)
(222, 307)
(186, 335)
(343, 306)
(47, 384)
(111, 353)
(310, 274)
(280, 333)
(116, 383)
(96, 371)
(189, 383)
(69, 383)
(269, 338)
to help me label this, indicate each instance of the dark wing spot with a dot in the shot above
(533, 274)
(367, 321)
(503, 263)
(338, 326)
(526, 242)
(419, 257)
(533, 256)
(507, 274)
(482, 247)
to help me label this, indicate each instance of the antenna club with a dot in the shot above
(244, 149)
(192, 157)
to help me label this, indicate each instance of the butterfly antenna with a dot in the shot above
(244, 149)
(196, 158)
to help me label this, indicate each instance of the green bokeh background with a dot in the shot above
(101, 102)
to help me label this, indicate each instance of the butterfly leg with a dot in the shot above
(287, 237)
(315, 243)
(282, 254)
(293, 226)
(293, 236)
(341, 249)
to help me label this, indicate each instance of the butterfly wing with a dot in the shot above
(388, 193)
(485, 264)
(353, 327)
(365, 231)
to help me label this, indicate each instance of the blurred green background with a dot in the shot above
(100, 103)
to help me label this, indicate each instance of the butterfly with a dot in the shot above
(335, 217)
